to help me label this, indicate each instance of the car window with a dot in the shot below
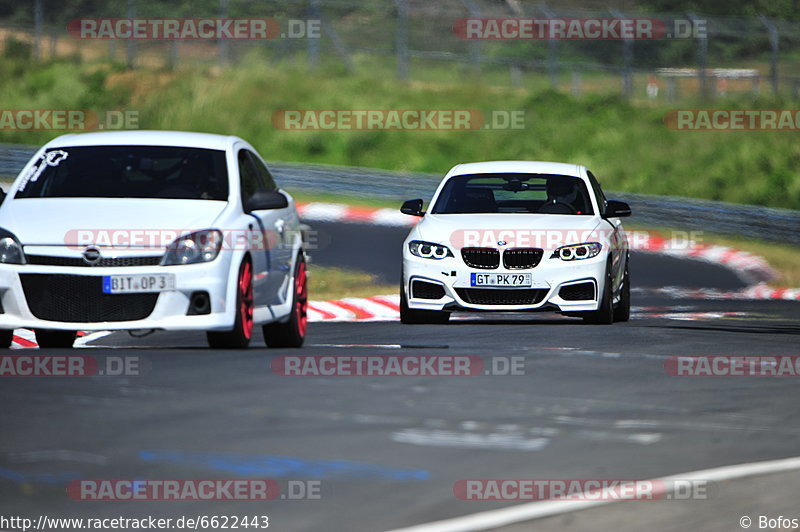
(157, 172)
(513, 193)
(249, 177)
(263, 172)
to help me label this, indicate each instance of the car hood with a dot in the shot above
(516, 230)
(57, 221)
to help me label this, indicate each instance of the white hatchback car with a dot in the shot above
(516, 236)
(151, 230)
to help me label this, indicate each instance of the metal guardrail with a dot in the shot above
(777, 225)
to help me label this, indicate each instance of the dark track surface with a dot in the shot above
(594, 402)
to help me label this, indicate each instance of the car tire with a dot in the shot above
(409, 316)
(605, 314)
(292, 333)
(6, 337)
(622, 312)
(242, 333)
(51, 339)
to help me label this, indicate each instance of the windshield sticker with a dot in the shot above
(51, 158)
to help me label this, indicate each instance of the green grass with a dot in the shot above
(304, 196)
(626, 145)
(327, 283)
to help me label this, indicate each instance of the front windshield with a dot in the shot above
(513, 193)
(161, 172)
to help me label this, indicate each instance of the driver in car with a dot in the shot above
(561, 197)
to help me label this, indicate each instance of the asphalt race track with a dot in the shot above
(592, 402)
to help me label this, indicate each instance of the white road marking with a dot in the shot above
(519, 513)
(472, 440)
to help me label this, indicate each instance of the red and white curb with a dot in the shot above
(751, 268)
(377, 308)
(754, 292)
(25, 338)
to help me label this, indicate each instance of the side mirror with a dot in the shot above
(2, 195)
(412, 207)
(617, 209)
(264, 201)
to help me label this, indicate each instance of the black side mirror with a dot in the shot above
(2, 195)
(412, 207)
(264, 201)
(617, 209)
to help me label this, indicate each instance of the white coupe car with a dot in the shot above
(516, 236)
(151, 230)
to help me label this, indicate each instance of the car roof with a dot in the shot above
(517, 167)
(145, 138)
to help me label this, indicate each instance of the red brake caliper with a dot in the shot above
(301, 305)
(246, 297)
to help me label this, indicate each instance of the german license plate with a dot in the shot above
(501, 279)
(138, 284)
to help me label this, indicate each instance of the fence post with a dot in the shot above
(38, 12)
(702, 57)
(627, 59)
(401, 40)
(773, 42)
(474, 44)
(223, 43)
(131, 44)
(552, 49)
(577, 86)
(313, 44)
(172, 59)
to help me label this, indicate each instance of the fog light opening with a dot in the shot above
(199, 303)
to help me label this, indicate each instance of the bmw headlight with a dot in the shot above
(577, 251)
(429, 250)
(202, 246)
(10, 249)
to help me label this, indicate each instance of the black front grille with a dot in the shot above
(426, 290)
(577, 292)
(80, 298)
(482, 258)
(522, 258)
(503, 296)
(119, 262)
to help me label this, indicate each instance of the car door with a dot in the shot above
(270, 285)
(618, 240)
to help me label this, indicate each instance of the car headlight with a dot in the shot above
(429, 250)
(10, 249)
(577, 251)
(202, 246)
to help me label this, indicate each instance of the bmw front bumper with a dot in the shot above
(550, 281)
